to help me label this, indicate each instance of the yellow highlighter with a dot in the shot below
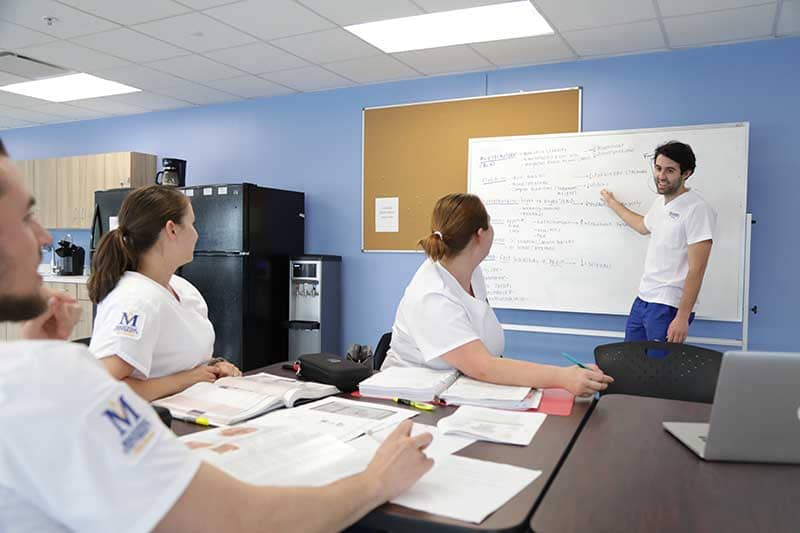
(422, 406)
(201, 421)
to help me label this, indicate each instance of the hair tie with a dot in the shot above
(439, 234)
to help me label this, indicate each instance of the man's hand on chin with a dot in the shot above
(57, 322)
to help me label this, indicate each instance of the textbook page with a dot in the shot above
(277, 456)
(440, 445)
(341, 418)
(493, 425)
(233, 399)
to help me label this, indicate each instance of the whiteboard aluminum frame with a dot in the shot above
(365, 109)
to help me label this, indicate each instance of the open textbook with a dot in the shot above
(468, 391)
(296, 455)
(233, 399)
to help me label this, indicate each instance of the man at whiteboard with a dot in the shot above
(681, 226)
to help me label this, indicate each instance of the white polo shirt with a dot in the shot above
(436, 315)
(146, 326)
(686, 220)
(80, 451)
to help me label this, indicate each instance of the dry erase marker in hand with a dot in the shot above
(422, 406)
(569, 357)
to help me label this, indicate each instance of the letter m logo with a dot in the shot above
(128, 321)
(122, 416)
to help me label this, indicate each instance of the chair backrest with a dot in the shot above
(85, 340)
(686, 373)
(381, 349)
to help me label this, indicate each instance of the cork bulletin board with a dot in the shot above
(414, 154)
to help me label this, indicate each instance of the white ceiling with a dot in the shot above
(194, 52)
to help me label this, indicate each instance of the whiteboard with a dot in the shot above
(558, 247)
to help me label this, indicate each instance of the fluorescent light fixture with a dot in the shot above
(461, 26)
(68, 88)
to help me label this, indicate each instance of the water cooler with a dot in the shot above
(314, 304)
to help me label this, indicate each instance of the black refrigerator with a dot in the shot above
(246, 235)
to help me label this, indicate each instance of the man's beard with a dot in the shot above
(19, 308)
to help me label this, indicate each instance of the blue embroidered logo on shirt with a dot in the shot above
(134, 431)
(130, 325)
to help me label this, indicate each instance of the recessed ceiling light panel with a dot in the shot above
(68, 88)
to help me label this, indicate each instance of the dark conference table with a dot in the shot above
(546, 452)
(626, 473)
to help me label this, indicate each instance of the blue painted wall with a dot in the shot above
(312, 142)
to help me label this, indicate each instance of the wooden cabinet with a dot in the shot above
(64, 187)
(9, 331)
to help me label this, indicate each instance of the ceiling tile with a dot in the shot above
(582, 14)
(29, 115)
(70, 23)
(8, 123)
(327, 46)
(434, 6)
(721, 26)
(139, 76)
(270, 20)
(71, 56)
(344, 12)
(13, 36)
(105, 105)
(197, 94)
(195, 32)
(196, 68)
(308, 79)
(250, 87)
(68, 111)
(620, 39)
(7, 78)
(674, 8)
(130, 45)
(525, 51)
(149, 101)
(256, 58)
(444, 60)
(18, 100)
(372, 69)
(128, 12)
(205, 4)
(789, 21)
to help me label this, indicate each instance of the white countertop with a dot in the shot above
(65, 279)
(44, 270)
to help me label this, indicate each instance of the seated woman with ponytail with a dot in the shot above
(152, 329)
(445, 321)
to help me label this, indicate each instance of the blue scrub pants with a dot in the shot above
(650, 321)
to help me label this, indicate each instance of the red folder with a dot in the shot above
(555, 402)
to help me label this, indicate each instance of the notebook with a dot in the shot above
(233, 399)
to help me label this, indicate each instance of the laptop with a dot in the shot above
(756, 412)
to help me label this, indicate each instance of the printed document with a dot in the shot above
(338, 417)
(493, 425)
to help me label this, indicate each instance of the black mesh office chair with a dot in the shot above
(85, 340)
(686, 373)
(381, 349)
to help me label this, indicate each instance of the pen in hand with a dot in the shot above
(572, 359)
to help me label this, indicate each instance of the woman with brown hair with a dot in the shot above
(152, 329)
(445, 321)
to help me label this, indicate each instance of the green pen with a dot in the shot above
(570, 358)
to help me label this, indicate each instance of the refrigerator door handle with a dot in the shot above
(96, 225)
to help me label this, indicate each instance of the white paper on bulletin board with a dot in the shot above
(387, 215)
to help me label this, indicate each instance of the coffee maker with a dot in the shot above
(173, 173)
